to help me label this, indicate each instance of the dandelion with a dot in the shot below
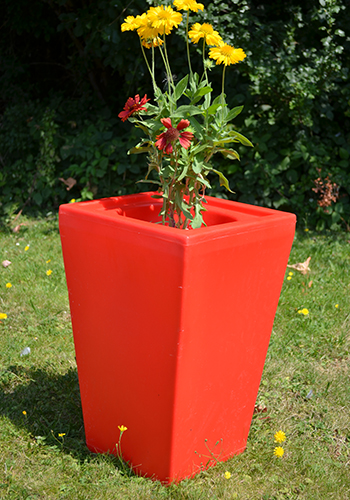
(3, 315)
(290, 273)
(122, 428)
(133, 105)
(61, 434)
(289, 278)
(166, 140)
(24, 412)
(47, 262)
(303, 311)
(26, 248)
(336, 305)
(280, 437)
(226, 54)
(306, 229)
(48, 272)
(227, 474)
(278, 451)
(8, 285)
(205, 31)
(188, 5)
(72, 200)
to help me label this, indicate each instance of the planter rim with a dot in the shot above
(230, 216)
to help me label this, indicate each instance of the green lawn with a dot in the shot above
(304, 392)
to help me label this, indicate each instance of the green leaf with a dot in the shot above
(186, 111)
(233, 113)
(237, 137)
(222, 179)
(180, 88)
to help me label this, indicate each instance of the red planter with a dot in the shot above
(171, 327)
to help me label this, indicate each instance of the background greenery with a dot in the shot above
(66, 71)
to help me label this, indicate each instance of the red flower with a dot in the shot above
(166, 139)
(133, 106)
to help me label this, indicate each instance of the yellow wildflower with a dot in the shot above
(122, 428)
(72, 200)
(278, 451)
(205, 31)
(24, 412)
(8, 285)
(303, 311)
(149, 43)
(26, 248)
(61, 434)
(146, 30)
(129, 24)
(48, 261)
(280, 437)
(48, 272)
(289, 278)
(188, 5)
(164, 18)
(3, 315)
(336, 305)
(227, 474)
(226, 54)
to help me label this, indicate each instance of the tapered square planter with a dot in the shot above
(171, 327)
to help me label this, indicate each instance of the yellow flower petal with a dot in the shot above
(3, 315)
(280, 437)
(278, 451)
(226, 54)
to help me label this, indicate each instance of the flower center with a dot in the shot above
(171, 135)
(226, 50)
(207, 29)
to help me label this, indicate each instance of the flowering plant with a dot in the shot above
(182, 137)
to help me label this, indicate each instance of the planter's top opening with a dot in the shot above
(136, 211)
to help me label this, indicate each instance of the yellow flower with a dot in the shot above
(129, 24)
(48, 272)
(226, 54)
(48, 261)
(164, 18)
(122, 428)
(62, 434)
(306, 229)
(205, 31)
(146, 30)
(24, 412)
(303, 311)
(280, 437)
(3, 315)
(72, 200)
(8, 285)
(289, 277)
(26, 248)
(227, 474)
(336, 305)
(279, 451)
(155, 42)
(188, 5)
(290, 273)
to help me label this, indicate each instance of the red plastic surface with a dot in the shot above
(171, 327)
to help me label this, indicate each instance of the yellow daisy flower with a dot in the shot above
(146, 30)
(130, 24)
(205, 31)
(226, 54)
(303, 311)
(188, 5)
(48, 272)
(152, 42)
(8, 285)
(164, 18)
(122, 428)
(227, 474)
(3, 315)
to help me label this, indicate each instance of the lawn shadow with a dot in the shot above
(46, 405)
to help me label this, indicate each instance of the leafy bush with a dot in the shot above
(66, 73)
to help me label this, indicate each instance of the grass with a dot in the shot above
(304, 391)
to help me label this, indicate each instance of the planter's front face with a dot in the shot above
(171, 327)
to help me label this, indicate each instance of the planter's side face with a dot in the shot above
(125, 305)
(236, 282)
(171, 327)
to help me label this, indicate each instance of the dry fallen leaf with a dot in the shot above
(303, 267)
(6, 263)
(17, 228)
(70, 182)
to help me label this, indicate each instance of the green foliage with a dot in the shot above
(294, 85)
